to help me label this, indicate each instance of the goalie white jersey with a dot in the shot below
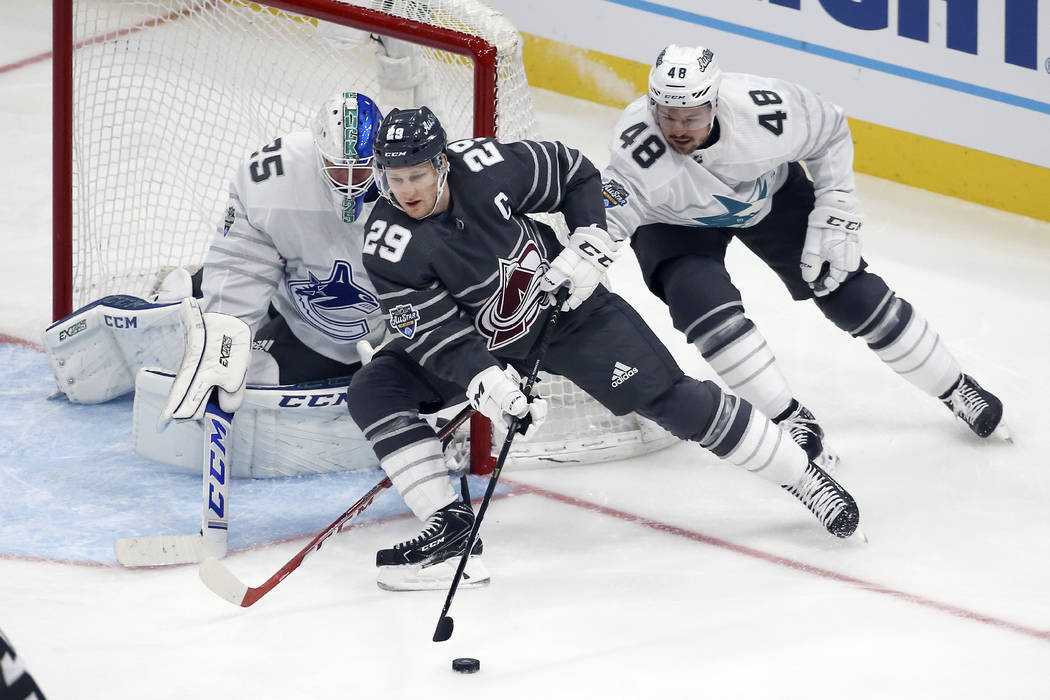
(763, 124)
(284, 241)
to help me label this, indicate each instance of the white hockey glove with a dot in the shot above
(218, 349)
(497, 394)
(582, 265)
(832, 247)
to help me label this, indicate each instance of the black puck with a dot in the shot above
(466, 665)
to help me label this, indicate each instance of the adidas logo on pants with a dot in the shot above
(621, 373)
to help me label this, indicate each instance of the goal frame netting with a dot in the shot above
(588, 432)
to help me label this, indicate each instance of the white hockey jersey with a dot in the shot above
(283, 241)
(764, 124)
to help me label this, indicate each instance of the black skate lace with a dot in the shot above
(967, 402)
(817, 494)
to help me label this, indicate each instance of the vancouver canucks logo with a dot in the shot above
(737, 213)
(512, 309)
(614, 194)
(335, 305)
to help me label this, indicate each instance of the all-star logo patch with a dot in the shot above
(621, 373)
(403, 319)
(614, 194)
(231, 216)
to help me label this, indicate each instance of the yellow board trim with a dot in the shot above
(937, 166)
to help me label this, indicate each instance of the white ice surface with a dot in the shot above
(664, 577)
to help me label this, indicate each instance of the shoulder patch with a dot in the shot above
(614, 194)
(403, 319)
(231, 216)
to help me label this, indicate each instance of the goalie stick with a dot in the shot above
(217, 577)
(165, 550)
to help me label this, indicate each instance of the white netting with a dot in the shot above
(170, 95)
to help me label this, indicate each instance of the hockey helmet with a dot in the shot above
(409, 137)
(685, 76)
(344, 133)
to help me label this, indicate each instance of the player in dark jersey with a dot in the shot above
(466, 276)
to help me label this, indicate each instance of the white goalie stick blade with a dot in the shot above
(160, 550)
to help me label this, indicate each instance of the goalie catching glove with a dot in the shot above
(496, 393)
(218, 348)
(588, 254)
(832, 247)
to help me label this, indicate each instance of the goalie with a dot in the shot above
(286, 260)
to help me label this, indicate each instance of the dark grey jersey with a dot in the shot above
(462, 287)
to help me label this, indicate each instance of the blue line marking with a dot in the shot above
(836, 55)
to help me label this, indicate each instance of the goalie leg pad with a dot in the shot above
(278, 431)
(96, 351)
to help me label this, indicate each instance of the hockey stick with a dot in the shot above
(443, 630)
(223, 583)
(165, 550)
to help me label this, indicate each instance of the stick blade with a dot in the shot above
(161, 550)
(222, 582)
(443, 631)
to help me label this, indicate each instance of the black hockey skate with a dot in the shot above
(430, 559)
(799, 422)
(977, 407)
(827, 500)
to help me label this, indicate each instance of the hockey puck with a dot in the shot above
(466, 665)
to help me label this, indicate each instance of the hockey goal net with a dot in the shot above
(156, 102)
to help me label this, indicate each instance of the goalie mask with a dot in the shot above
(410, 137)
(685, 77)
(344, 131)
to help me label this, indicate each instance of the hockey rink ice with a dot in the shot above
(665, 576)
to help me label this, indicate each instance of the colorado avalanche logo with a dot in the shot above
(322, 302)
(511, 311)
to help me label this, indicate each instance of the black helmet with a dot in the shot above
(409, 137)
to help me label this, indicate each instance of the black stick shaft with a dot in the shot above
(443, 631)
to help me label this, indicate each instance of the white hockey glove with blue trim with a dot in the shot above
(582, 265)
(496, 393)
(832, 247)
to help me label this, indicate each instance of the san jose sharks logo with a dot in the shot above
(737, 213)
(511, 311)
(330, 304)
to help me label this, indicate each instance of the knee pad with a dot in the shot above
(858, 304)
(699, 295)
(687, 410)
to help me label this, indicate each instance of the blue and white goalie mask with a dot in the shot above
(344, 132)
